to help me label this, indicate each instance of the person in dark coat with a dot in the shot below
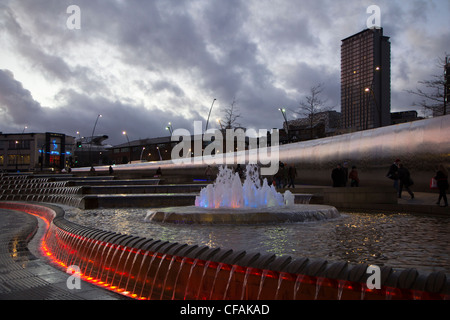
(405, 181)
(393, 173)
(442, 182)
(292, 174)
(338, 177)
(345, 172)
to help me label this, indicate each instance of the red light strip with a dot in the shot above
(64, 242)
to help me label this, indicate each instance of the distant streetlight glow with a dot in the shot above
(283, 112)
(129, 146)
(170, 128)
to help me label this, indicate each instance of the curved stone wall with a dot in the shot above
(153, 269)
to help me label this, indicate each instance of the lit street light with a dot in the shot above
(92, 138)
(129, 146)
(369, 89)
(170, 128)
(140, 158)
(159, 153)
(220, 123)
(283, 112)
(207, 121)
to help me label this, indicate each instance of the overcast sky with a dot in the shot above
(142, 64)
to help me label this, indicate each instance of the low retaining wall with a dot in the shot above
(152, 269)
(354, 197)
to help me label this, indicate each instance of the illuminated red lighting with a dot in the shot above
(144, 275)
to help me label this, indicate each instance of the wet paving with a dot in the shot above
(24, 275)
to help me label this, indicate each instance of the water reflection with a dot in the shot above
(397, 240)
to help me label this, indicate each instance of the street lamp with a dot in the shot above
(220, 123)
(369, 89)
(19, 149)
(17, 156)
(140, 158)
(159, 153)
(207, 121)
(283, 112)
(92, 138)
(170, 128)
(129, 146)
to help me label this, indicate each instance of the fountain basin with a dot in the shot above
(194, 214)
(149, 269)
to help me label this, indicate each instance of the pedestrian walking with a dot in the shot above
(345, 173)
(280, 176)
(393, 173)
(442, 183)
(208, 173)
(354, 178)
(338, 177)
(292, 174)
(405, 181)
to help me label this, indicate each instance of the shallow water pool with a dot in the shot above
(396, 240)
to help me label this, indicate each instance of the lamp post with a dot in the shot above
(140, 158)
(18, 148)
(129, 146)
(159, 153)
(170, 128)
(92, 138)
(17, 156)
(369, 89)
(283, 112)
(220, 123)
(207, 121)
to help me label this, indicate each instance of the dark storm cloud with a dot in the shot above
(80, 113)
(17, 102)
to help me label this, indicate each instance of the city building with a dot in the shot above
(23, 152)
(91, 151)
(365, 80)
(323, 124)
(152, 149)
(160, 149)
(404, 116)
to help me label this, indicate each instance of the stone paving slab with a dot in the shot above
(26, 276)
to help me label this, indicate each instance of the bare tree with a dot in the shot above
(433, 92)
(312, 105)
(231, 115)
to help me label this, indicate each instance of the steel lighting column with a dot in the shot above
(92, 138)
(283, 112)
(446, 84)
(170, 128)
(129, 146)
(207, 121)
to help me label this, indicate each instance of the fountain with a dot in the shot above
(149, 269)
(229, 201)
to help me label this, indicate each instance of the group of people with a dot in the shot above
(285, 177)
(341, 176)
(402, 180)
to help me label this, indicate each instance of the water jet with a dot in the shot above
(229, 201)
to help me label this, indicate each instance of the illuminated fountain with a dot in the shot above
(229, 200)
